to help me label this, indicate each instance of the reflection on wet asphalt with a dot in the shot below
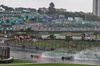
(26, 56)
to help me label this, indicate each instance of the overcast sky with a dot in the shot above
(70, 5)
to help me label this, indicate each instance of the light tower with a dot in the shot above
(96, 7)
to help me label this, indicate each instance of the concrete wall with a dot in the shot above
(51, 32)
(2, 40)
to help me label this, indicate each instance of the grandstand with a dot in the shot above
(38, 22)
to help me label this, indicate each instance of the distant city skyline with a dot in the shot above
(69, 5)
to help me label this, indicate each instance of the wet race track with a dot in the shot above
(51, 59)
(55, 57)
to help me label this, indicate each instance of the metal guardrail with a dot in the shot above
(9, 60)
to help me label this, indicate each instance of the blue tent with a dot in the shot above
(58, 34)
(20, 22)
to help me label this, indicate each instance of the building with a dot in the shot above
(96, 7)
(2, 9)
(44, 9)
(61, 9)
(57, 9)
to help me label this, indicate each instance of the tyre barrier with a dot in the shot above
(9, 60)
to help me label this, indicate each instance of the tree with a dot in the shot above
(21, 9)
(7, 8)
(52, 37)
(68, 39)
(96, 34)
(52, 5)
(31, 36)
(16, 35)
(28, 29)
(24, 34)
(83, 35)
(21, 30)
(51, 8)
(33, 10)
(39, 11)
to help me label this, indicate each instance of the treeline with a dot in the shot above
(52, 11)
(86, 17)
(18, 9)
(21, 9)
(7, 8)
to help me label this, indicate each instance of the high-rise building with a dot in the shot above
(96, 7)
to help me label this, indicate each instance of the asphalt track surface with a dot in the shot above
(26, 56)
(53, 59)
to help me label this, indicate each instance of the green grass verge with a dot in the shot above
(22, 61)
(52, 64)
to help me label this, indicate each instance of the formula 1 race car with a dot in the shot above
(68, 58)
(36, 56)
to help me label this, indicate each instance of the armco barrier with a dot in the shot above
(9, 60)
